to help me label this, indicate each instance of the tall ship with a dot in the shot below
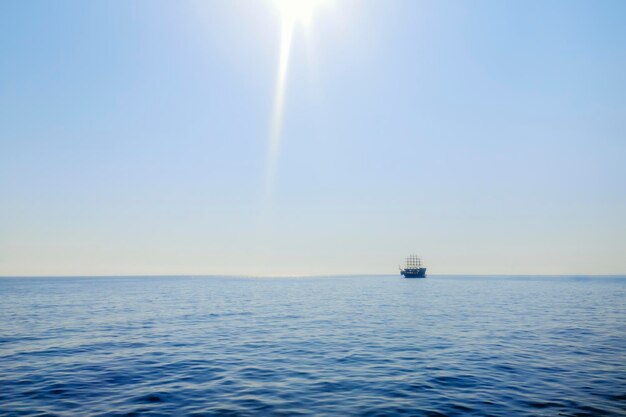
(413, 268)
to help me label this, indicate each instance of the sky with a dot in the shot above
(210, 137)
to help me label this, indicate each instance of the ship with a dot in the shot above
(413, 268)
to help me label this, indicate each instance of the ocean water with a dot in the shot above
(372, 346)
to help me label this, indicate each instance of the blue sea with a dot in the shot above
(351, 346)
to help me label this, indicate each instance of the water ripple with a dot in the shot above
(371, 346)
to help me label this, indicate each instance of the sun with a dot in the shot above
(297, 11)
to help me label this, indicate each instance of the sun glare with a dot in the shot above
(292, 14)
(294, 11)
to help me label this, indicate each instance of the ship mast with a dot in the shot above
(413, 262)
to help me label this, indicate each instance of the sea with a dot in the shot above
(319, 346)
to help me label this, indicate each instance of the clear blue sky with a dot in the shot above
(485, 136)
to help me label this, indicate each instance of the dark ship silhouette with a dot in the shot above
(413, 268)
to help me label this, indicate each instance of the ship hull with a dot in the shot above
(414, 273)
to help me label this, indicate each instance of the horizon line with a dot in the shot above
(301, 275)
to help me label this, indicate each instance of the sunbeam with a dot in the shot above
(292, 13)
(279, 105)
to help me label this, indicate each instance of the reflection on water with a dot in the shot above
(336, 346)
